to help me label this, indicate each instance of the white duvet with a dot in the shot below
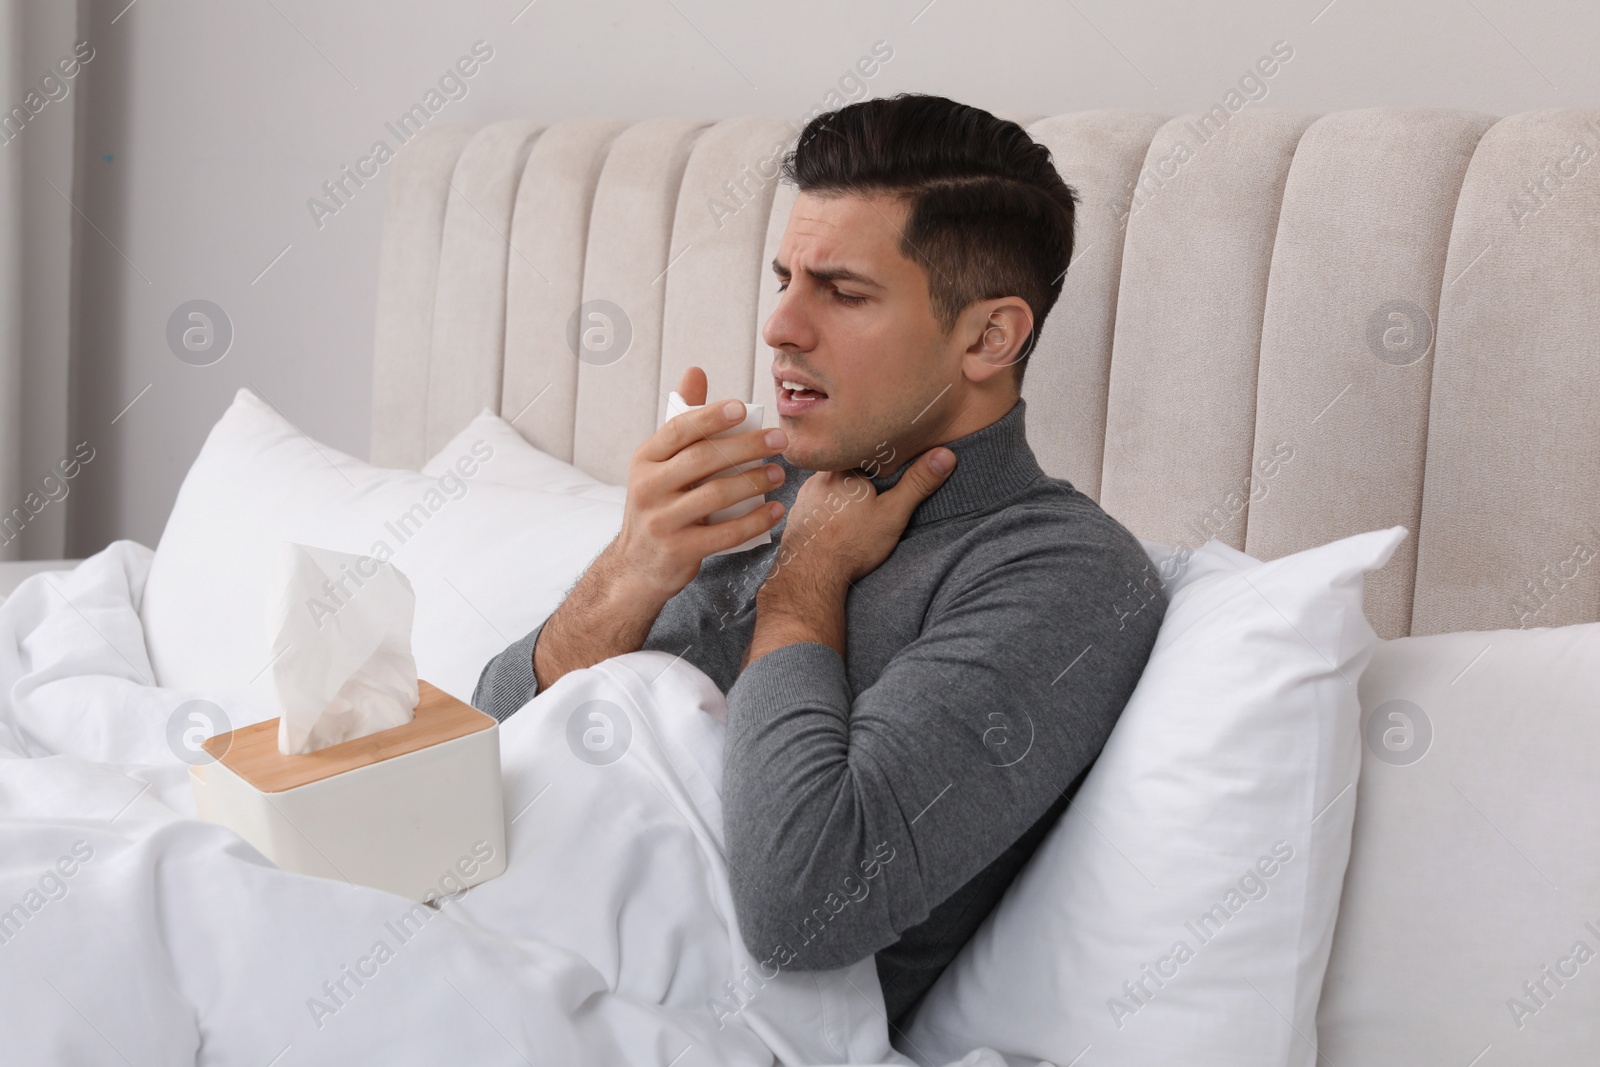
(132, 932)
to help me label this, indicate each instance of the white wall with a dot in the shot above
(207, 125)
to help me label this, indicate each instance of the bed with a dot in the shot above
(1394, 312)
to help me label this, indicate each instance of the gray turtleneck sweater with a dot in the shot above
(880, 804)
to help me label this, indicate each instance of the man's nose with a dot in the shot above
(787, 326)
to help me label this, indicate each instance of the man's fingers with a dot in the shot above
(926, 474)
(692, 386)
(702, 459)
(719, 493)
(691, 426)
(730, 532)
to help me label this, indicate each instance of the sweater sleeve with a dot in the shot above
(507, 682)
(848, 819)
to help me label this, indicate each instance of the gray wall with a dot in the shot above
(205, 127)
(36, 165)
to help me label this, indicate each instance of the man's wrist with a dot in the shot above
(799, 609)
(609, 612)
(621, 591)
(799, 579)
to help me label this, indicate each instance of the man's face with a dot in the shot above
(854, 324)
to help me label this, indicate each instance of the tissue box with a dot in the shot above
(416, 810)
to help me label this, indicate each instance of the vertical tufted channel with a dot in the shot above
(1511, 499)
(1346, 343)
(1181, 410)
(469, 319)
(630, 247)
(408, 275)
(544, 278)
(1100, 154)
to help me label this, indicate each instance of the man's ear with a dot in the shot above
(999, 333)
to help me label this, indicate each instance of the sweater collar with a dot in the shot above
(993, 465)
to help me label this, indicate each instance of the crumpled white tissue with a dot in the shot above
(340, 632)
(753, 414)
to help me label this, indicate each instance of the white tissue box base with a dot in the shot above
(418, 824)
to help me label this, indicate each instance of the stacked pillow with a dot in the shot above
(1471, 913)
(1183, 908)
(491, 537)
(517, 463)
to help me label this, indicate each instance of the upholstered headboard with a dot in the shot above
(1278, 328)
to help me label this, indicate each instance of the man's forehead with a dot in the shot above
(837, 227)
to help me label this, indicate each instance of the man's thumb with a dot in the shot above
(926, 475)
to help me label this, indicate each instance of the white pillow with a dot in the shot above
(1471, 910)
(488, 562)
(1180, 567)
(518, 463)
(1182, 909)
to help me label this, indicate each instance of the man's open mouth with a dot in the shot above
(796, 395)
(792, 390)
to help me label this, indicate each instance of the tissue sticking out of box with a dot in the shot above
(753, 414)
(340, 633)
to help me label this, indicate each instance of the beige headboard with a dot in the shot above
(1279, 328)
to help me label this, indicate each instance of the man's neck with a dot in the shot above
(972, 410)
(993, 463)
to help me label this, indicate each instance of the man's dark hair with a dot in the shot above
(989, 214)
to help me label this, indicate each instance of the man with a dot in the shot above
(924, 663)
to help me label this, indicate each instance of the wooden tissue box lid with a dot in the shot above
(252, 753)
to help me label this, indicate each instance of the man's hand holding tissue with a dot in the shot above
(665, 533)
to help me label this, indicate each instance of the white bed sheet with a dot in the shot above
(129, 930)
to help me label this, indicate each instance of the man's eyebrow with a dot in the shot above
(828, 274)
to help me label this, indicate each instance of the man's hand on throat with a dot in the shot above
(840, 529)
